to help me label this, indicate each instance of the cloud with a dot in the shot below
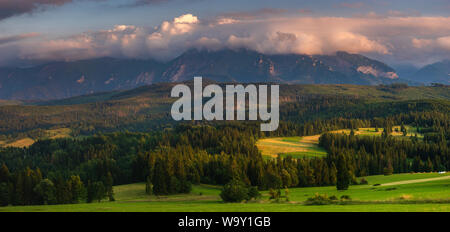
(414, 39)
(441, 43)
(444, 42)
(304, 11)
(352, 5)
(137, 3)
(389, 13)
(14, 38)
(370, 70)
(9, 8)
(261, 13)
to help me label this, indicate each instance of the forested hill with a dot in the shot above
(148, 107)
(288, 92)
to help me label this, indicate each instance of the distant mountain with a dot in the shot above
(433, 73)
(405, 70)
(66, 79)
(251, 66)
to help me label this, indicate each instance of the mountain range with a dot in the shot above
(67, 79)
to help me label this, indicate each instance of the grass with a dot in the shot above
(9, 102)
(415, 197)
(25, 142)
(307, 146)
(48, 134)
(297, 147)
(371, 131)
(58, 133)
(418, 191)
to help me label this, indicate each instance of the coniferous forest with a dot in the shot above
(171, 157)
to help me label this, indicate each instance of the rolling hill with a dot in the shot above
(148, 107)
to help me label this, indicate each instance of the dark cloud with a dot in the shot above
(9, 8)
(14, 38)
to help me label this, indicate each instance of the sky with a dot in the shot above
(400, 32)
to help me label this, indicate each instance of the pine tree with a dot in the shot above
(4, 174)
(109, 187)
(333, 174)
(149, 186)
(343, 176)
(4, 194)
(76, 189)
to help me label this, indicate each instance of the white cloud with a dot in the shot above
(377, 73)
(421, 43)
(398, 37)
(444, 42)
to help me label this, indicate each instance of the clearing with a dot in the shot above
(297, 147)
(27, 141)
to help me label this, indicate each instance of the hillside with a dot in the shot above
(148, 107)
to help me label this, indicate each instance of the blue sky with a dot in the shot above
(24, 25)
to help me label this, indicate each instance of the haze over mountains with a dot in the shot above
(438, 72)
(66, 79)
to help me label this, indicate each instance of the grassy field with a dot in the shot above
(307, 146)
(48, 134)
(205, 198)
(372, 131)
(9, 102)
(296, 147)
(25, 142)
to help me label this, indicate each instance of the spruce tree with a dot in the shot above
(343, 176)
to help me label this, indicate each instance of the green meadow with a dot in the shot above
(372, 131)
(430, 194)
(27, 141)
(307, 146)
(296, 147)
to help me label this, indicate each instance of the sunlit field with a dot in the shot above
(430, 195)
